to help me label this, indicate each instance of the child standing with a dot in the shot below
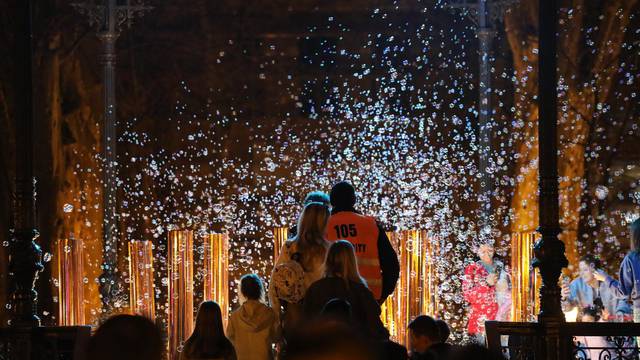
(252, 327)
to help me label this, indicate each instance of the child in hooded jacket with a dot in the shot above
(252, 327)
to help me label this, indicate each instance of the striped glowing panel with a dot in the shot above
(180, 259)
(70, 268)
(525, 282)
(216, 278)
(279, 237)
(391, 311)
(416, 292)
(141, 287)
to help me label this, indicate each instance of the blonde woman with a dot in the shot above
(308, 248)
(343, 281)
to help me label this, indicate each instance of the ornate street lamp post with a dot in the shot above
(485, 13)
(109, 17)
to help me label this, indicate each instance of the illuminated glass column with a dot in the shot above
(390, 311)
(279, 237)
(216, 274)
(70, 272)
(525, 283)
(180, 265)
(416, 292)
(141, 286)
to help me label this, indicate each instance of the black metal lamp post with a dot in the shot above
(485, 13)
(109, 17)
(25, 255)
(549, 250)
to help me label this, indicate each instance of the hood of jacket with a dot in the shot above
(254, 316)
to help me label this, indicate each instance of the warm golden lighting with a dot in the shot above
(416, 292)
(525, 282)
(216, 271)
(180, 259)
(70, 268)
(279, 237)
(141, 286)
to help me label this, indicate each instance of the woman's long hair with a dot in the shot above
(310, 239)
(341, 262)
(207, 339)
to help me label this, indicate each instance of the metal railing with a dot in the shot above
(599, 340)
(40, 343)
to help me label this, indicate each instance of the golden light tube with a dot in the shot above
(216, 275)
(280, 235)
(390, 310)
(416, 292)
(524, 281)
(70, 272)
(430, 299)
(180, 265)
(141, 284)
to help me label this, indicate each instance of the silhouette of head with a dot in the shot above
(337, 310)
(251, 287)
(126, 337)
(343, 195)
(423, 332)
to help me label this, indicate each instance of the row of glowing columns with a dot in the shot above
(417, 289)
(216, 281)
(70, 271)
(416, 293)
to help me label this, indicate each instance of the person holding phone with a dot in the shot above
(583, 292)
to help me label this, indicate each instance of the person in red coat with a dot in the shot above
(479, 290)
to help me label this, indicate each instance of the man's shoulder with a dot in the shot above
(633, 257)
(344, 214)
(440, 348)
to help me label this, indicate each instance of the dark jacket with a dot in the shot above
(422, 356)
(390, 350)
(389, 265)
(365, 311)
(440, 350)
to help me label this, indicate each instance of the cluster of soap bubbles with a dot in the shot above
(399, 124)
(396, 116)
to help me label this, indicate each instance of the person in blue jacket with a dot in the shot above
(628, 283)
(583, 292)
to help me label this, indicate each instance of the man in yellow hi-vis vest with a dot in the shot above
(377, 260)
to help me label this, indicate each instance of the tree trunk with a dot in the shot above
(586, 86)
